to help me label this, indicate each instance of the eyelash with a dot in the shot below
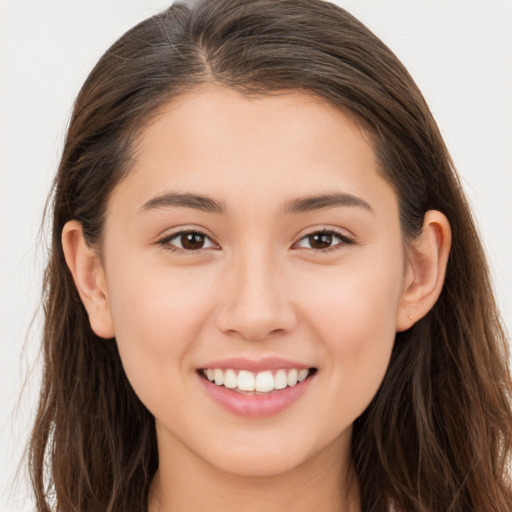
(344, 240)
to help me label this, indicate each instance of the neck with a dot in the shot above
(325, 482)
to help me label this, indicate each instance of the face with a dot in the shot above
(254, 239)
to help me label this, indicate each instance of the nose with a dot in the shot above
(255, 303)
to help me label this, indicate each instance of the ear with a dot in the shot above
(427, 258)
(86, 268)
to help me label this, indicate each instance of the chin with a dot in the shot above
(259, 465)
(269, 456)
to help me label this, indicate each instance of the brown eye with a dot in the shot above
(324, 241)
(320, 240)
(192, 241)
(188, 241)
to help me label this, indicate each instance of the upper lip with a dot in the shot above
(255, 365)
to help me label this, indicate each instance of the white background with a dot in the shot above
(459, 52)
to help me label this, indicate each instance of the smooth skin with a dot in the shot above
(326, 285)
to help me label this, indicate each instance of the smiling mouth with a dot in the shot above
(256, 383)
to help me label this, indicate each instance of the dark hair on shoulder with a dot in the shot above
(438, 434)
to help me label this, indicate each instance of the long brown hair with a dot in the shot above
(438, 434)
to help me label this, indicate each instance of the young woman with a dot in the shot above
(265, 289)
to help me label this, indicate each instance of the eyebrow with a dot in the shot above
(319, 202)
(197, 202)
(300, 205)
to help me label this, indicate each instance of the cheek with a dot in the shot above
(157, 318)
(354, 315)
(351, 301)
(156, 297)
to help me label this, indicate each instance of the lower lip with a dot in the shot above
(256, 406)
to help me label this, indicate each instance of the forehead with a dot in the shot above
(281, 146)
(215, 112)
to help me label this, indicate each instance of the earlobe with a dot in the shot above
(88, 274)
(426, 268)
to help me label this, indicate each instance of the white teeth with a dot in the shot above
(280, 380)
(218, 376)
(264, 382)
(230, 379)
(292, 377)
(245, 381)
(302, 374)
(261, 382)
